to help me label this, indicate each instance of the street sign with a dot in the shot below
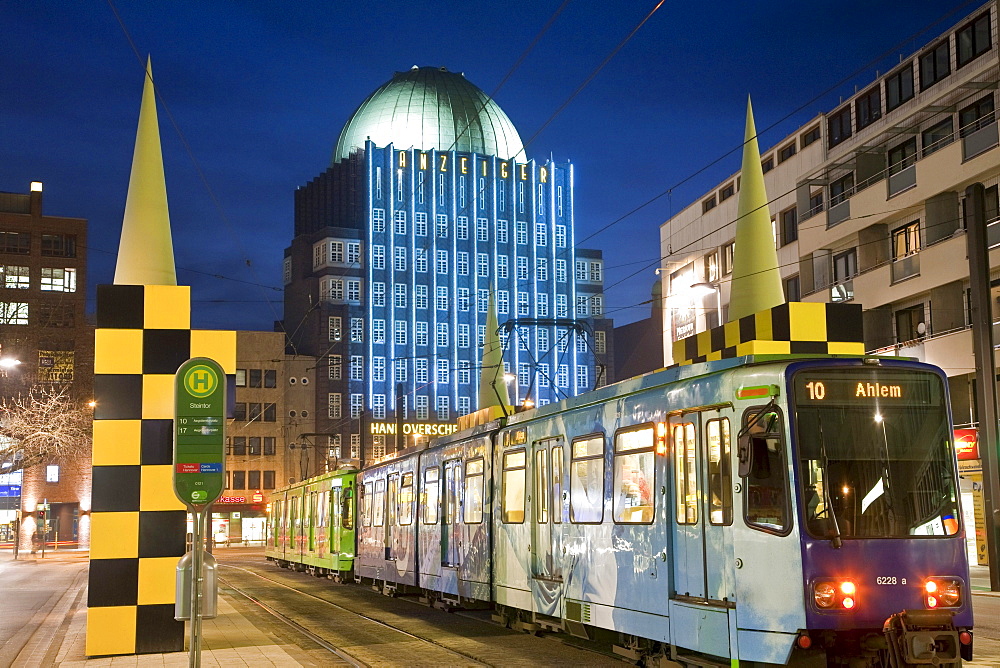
(199, 431)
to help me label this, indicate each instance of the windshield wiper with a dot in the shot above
(835, 540)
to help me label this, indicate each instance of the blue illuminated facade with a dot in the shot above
(388, 280)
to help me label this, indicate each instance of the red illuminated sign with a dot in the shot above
(967, 443)
(257, 497)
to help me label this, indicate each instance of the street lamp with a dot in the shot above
(8, 362)
(705, 289)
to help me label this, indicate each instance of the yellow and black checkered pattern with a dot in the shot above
(138, 526)
(795, 328)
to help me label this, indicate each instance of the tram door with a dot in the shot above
(391, 518)
(689, 545)
(548, 483)
(333, 512)
(717, 507)
(450, 516)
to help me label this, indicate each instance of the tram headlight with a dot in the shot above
(835, 595)
(825, 594)
(942, 592)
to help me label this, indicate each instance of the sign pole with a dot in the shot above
(199, 453)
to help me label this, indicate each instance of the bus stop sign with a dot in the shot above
(199, 431)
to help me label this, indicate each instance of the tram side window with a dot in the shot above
(720, 488)
(634, 476)
(512, 510)
(392, 500)
(406, 500)
(366, 504)
(473, 510)
(346, 516)
(685, 445)
(541, 493)
(557, 484)
(586, 482)
(766, 505)
(378, 503)
(431, 494)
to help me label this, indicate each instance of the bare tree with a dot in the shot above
(44, 424)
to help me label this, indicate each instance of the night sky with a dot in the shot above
(257, 93)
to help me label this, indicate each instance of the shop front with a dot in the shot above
(237, 519)
(970, 471)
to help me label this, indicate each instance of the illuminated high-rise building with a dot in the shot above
(430, 203)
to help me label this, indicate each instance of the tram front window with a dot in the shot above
(875, 453)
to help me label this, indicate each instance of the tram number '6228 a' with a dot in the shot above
(889, 580)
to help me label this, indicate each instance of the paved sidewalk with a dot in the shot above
(58, 633)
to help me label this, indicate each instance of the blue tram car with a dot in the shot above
(752, 511)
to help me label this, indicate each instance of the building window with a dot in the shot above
(378, 369)
(463, 299)
(899, 87)
(503, 302)
(482, 265)
(442, 335)
(482, 300)
(400, 374)
(378, 183)
(355, 446)
(910, 323)
(521, 232)
(378, 257)
(268, 480)
(786, 152)
(542, 305)
(482, 229)
(442, 298)
(973, 39)
(523, 374)
(789, 226)
(708, 204)
(523, 307)
(333, 405)
(841, 189)
(15, 243)
(560, 236)
(378, 406)
(357, 404)
(937, 136)
(767, 164)
(977, 115)
(241, 378)
(399, 218)
(419, 296)
(12, 276)
(420, 333)
(726, 192)
(905, 240)
(727, 258)
(253, 446)
(463, 263)
(353, 290)
(501, 231)
(581, 270)
(482, 193)
(562, 376)
(401, 332)
(378, 294)
(357, 367)
(240, 445)
(596, 272)
(442, 226)
(935, 64)
(334, 369)
(464, 405)
(420, 187)
(809, 136)
(58, 245)
(502, 266)
(420, 371)
(560, 271)
(902, 156)
(541, 269)
(582, 377)
(845, 265)
(815, 203)
(420, 260)
(378, 220)
(839, 126)
(399, 295)
(400, 259)
(13, 313)
(597, 305)
(542, 340)
(239, 479)
(442, 262)
(463, 335)
(462, 228)
(357, 330)
(270, 378)
(522, 268)
(52, 473)
(541, 235)
(443, 372)
(52, 279)
(461, 191)
(422, 406)
(420, 224)
(868, 107)
(600, 342)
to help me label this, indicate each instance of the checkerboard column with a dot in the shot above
(138, 525)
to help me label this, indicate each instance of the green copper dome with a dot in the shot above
(430, 107)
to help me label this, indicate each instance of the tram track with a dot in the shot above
(378, 630)
(351, 658)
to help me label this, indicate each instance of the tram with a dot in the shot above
(761, 510)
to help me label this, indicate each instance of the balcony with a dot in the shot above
(902, 180)
(905, 267)
(838, 213)
(977, 140)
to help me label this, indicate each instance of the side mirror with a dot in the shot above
(744, 453)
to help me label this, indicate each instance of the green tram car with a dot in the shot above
(311, 525)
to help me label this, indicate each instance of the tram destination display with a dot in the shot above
(851, 388)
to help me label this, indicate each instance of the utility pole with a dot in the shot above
(982, 337)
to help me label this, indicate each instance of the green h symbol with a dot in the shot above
(201, 380)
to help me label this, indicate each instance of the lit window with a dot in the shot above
(52, 473)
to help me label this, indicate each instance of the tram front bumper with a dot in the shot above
(916, 637)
